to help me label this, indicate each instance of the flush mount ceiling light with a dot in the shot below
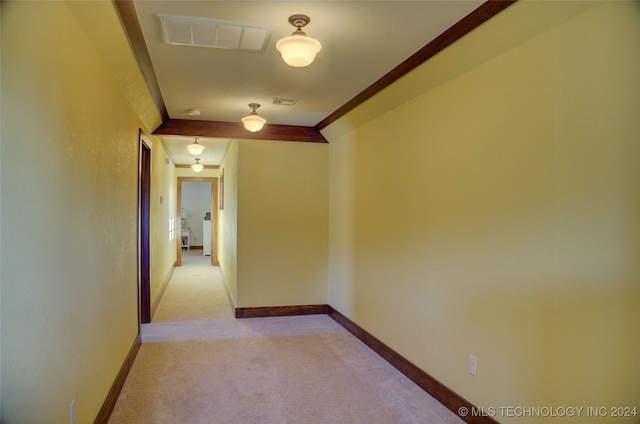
(253, 122)
(197, 167)
(196, 148)
(298, 49)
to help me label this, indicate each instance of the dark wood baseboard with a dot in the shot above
(439, 391)
(281, 311)
(116, 387)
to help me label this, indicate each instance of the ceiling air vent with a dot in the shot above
(187, 31)
(284, 101)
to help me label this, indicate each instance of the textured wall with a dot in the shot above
(496, 212)
(69, 193)
(163, 209)
(282, 223)
(228, 220)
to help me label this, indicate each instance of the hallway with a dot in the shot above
(198, 364)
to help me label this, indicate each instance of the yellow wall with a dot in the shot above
(163, 209)
(342, 216)
(487, 205)
(69, 151)
(282, 223)
(497, 212)
(228, 221)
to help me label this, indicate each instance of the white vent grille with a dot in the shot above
(182, 30)
(282, 101)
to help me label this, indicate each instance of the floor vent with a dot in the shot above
(188, 31)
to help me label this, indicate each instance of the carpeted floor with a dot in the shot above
(198, 364)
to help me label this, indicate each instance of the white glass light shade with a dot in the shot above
(196, 148)
(253, 122)
(196, 166)
(298, 50)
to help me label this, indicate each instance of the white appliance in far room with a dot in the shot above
(206, 237)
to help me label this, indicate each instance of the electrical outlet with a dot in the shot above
(335, 289)
(72, 412)
(473, 365)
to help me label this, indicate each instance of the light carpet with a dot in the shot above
(198, 364)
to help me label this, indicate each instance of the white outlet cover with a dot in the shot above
(473, 365)
(72, 412)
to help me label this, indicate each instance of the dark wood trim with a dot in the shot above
(219, 129)
(439, 391)
(467, 24)
(144, 228)
(281, 311)
(192, 128)
(129, 18)
(453, 401)
(116, 387)
(165, 283)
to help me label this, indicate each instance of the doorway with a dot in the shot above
(144, 224)
(212, 236)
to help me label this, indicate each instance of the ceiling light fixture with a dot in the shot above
(196, 148)
(253, 122)
(197, 167)
(298, 49)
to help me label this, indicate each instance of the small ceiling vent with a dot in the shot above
(187, 31)
(282, 101)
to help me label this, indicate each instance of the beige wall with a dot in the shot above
(342, 222)
(228, 221)
(69, 169)
(496, 213)
(503, 223)
(163, 209)
(282, 223)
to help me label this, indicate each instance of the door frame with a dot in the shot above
(144, 228)
(214, 216)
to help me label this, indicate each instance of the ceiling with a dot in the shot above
(361, 41)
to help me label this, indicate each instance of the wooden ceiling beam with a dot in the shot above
(129, 17)
(467, 24)
(218, 129)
